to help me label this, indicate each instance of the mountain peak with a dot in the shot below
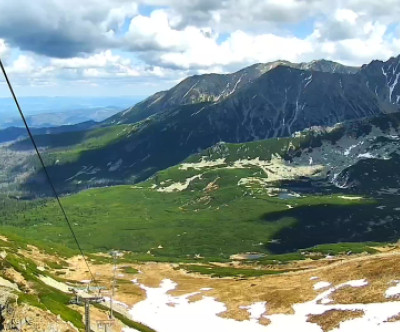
(211, 88)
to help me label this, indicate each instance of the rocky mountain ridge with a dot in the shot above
(215, 88)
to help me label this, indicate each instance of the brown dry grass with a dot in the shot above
(98, 315)
(331, 319)
(379, 270)
(235, 313)
(195, 298)
(126, 291)
(276, 290)
(17, 277)
(264, 321)
(372, 293)
(279, 291)
(38, 256)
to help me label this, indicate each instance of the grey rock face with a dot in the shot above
(215, 88)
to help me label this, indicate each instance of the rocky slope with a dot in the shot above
(27, 318)
(215, 88)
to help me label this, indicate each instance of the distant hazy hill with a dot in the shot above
(63, 118)
(58, 111)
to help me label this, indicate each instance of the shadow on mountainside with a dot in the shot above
(332, 223)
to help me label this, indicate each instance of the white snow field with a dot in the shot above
(166, 313)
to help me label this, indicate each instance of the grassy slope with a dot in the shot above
(67, 147)
(214, 224)
(210, 222)
(43, 296)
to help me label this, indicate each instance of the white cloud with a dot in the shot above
(353, 38)
(240, 48)
(3, 47)
(62, 28)
(103, 66)
(24, 64)
(117, 15)
(346, 15)
(229, 15)
(104, 42)
(242, 14)
(194, 47)
(154, 32)
(373, 45)
(99, 60)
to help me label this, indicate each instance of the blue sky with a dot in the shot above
(125, 47)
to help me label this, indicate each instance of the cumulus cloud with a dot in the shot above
(61, 28)
(102, 66)
(240, 48)
(346, 36)
(354, 37)
(138, 40)
(229, 15)
(3, 47)
(357, 50)
(156, 33)
(23, 65)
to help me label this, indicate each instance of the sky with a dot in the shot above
(138, 47)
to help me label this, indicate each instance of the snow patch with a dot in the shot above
(115, 166)
(366, 155)
(351, 147)
(255, 310)
(179, 186)
(202, 164)
(321, 285)
(356, 283)
(201, 315)
(88, 170)
(183, 315)
(393, 291)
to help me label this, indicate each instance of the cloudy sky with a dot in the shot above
(137, 47)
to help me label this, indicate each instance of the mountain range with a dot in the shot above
(258, 102)
(284, 158)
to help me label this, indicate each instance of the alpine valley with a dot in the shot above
(244, 185)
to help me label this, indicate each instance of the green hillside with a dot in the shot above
(214, 206)
(323, 185)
